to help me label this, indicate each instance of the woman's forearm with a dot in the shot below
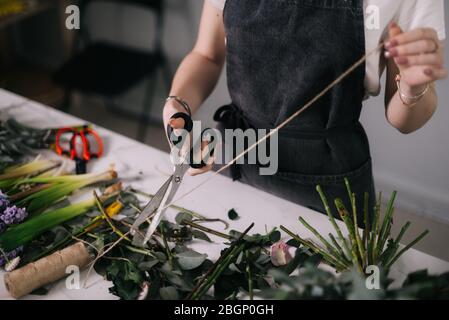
(409, 119)
(194, 80)
(198, 73)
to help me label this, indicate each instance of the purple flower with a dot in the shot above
(13, 215)
(4, 201)
(10, 255)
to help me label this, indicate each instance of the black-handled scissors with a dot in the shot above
(158, 204)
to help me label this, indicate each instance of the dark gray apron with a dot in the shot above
(280, 54)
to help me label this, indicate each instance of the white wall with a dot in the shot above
(416, 165)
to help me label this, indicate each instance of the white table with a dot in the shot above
(144, 168)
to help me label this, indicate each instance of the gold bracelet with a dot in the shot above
(182, 102)
(404, 98)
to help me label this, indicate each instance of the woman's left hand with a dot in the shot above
(418, 54)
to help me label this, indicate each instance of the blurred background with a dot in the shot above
(116, 71)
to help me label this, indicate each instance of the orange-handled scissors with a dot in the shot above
(83, 152)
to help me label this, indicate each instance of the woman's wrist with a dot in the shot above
(410, 95)
(412, 91)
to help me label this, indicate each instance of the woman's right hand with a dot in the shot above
(177, 124)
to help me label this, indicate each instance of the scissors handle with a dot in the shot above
(188, 126)
(176, 139)
(91, 132)
(58, 148)
(81, 134)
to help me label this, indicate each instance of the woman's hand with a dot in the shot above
(178, 124)
(418, 54)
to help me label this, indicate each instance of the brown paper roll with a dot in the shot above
(34, 275)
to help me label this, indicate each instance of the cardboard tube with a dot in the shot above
(49, 269)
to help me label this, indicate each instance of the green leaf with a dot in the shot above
(190, 259)
(160, 256)
(201, 235)
(233, 215)
(299, 258)
(183, 216)
(148, 264)
(275, 236)
(169, 293)
(293, 243)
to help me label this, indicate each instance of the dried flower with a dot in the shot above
(12, 264)
(13, 215)
(6, 257)
(280, 255)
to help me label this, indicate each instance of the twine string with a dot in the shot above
(281, 125)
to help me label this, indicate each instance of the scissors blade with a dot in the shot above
(151, 207)
(177, 177)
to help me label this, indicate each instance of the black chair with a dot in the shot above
(110, 70)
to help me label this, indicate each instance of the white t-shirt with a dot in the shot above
(408, 14)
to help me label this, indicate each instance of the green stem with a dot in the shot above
(402, 232)
(250, 276)
(328, 246)
(375, 231)
(332, 219)
(361, 249)
(340, 249)
(383, 236)
(411, 244)
(205, 229)
(219, 270)
(220, 260)
(167, 248)
(340, 265)
(366, 219)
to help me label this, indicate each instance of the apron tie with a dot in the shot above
(232, 117)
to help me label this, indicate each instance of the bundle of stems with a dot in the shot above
(23, 233)
(47, 190)
(13, 174)
(359, 248)
(230, 255)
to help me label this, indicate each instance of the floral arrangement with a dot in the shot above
(36, 220)
(360, 249)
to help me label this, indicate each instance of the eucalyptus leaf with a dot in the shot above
(169, 293)
(275, 236)
(233, 215)
(190, 259)
(183, 216)
(148, 264)
(201, 235)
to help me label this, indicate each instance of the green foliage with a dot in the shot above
(358, 249)
(233, 215)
